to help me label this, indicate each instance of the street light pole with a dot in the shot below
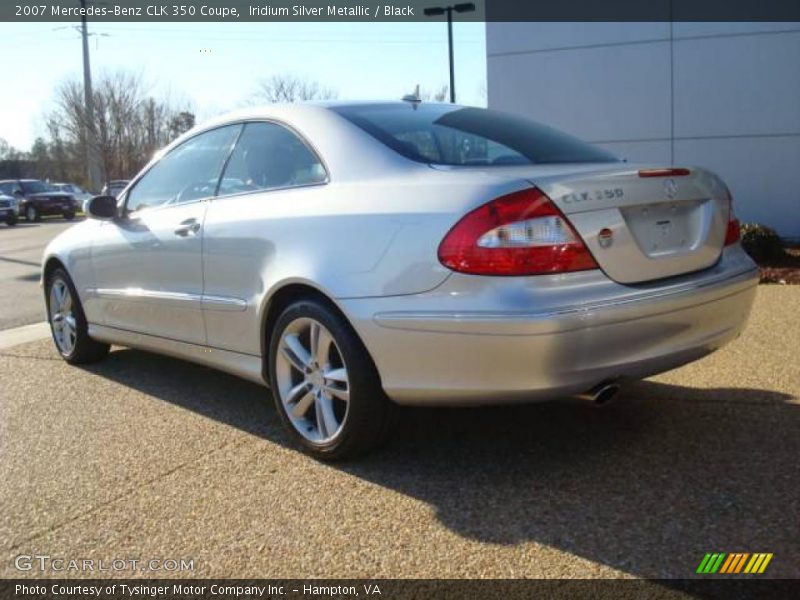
(92, 157)
(448, 10)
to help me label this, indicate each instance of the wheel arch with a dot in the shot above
(52, 263)
(283, 296)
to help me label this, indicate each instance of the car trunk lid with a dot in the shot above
(644, 223)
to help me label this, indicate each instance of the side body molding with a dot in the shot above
(216, 303)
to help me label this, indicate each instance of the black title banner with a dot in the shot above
(394, 589)
(400, 10)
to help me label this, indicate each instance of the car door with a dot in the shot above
(148, 263)
(271, 173)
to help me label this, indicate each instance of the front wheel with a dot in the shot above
(11, 221)
(325, 387)
(68, 322)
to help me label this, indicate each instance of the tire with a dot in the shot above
(363, 419)
(69, 216)
(11, 221)
(31, 214)
(70, 323)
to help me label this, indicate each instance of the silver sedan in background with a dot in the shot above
(357, 256)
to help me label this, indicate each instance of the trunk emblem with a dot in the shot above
(671, 188)
(605, 237)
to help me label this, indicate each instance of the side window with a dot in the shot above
(9, 187)
(270, 156)
(189, 172)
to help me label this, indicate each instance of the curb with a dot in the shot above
(21, 335)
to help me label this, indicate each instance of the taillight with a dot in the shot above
(522, 233)
(732, 234)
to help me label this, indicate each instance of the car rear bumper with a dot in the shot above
(481, 340)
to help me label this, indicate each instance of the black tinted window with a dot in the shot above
(269, 156)
(445, 135)
(34, 187)
(189, 172)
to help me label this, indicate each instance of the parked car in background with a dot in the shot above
(81, 195)
(114, 187)
(36, 199)
(9, 209)
(350, 255)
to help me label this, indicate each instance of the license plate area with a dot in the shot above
(666, 228)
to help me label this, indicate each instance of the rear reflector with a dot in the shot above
(522, 233)
(664, 172)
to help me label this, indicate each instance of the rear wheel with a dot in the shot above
(11, 221)
(325, 387)
(31, 214)
(68, 322)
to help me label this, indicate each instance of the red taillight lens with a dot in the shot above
(522, 233)
(732, 233)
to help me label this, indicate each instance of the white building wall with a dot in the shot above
(720, 95)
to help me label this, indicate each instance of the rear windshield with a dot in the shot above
(446, 135)
(35, 187)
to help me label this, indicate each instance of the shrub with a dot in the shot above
(761, 242)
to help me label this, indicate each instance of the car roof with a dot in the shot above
(281, 110)
(320, 125)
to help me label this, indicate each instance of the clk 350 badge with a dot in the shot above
(607, 194)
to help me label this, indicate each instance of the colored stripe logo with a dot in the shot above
(734, 563)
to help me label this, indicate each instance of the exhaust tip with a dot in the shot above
(601, 394)
(606, 393)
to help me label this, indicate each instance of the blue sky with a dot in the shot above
(215, 67)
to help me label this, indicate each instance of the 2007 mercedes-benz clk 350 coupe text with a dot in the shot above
(355, 255)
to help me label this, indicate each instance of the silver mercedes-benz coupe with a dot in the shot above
(356, 255)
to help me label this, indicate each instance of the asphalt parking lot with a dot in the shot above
(149, 457)
(21, 250)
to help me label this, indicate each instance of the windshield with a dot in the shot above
(34, 187)
(446, 135)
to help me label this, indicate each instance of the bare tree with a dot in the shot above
(438, 95)
(288, 88)
(130, 124)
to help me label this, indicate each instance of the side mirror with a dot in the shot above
(102, 207)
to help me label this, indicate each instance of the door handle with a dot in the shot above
(188, 227)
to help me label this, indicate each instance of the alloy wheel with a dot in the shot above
(312, 380)
(62, 317)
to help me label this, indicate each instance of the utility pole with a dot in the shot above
(448, 10)
(93, 170)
